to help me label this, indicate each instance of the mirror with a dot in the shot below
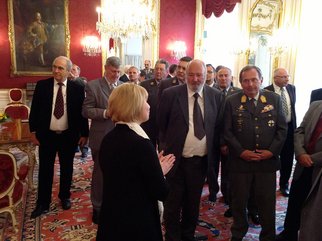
(264, 22)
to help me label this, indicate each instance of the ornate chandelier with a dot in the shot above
(126, 18)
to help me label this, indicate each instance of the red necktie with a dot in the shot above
(59, 105)
(315, 136)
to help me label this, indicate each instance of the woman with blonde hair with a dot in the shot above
(133, 173)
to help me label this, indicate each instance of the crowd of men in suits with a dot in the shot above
(201, 118)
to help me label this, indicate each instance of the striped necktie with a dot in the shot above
(284, 102)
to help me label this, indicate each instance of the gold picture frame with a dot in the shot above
(38, 33)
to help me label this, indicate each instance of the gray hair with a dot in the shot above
(69, 63)
(113, 61)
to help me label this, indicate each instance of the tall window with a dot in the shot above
(220, 35)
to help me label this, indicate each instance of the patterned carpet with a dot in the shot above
(75, 224)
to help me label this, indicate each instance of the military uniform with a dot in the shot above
(262, 128)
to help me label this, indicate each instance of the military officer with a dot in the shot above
(152, 87)
(255, 130)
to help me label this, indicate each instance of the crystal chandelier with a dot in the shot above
(126, 18)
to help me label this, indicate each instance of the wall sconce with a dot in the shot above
(178, 49)
(91, 46)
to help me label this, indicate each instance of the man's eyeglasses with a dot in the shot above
(283, 76)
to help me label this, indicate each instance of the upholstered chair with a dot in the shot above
(11, 186)
(15, 109)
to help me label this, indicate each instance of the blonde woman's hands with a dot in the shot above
(166, 162)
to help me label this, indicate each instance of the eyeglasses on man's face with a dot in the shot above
(282, 76)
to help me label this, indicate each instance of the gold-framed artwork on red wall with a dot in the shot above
(38, 33)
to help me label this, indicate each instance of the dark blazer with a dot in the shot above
(133, 182)
(124, 78)
(231, 90)
(244, 130)
(166, 83)
(40, 114)
(173, 116)
(291, 92)
(150, 126)
(316, 95)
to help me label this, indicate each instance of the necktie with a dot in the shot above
(224, 92)
(315, 136)
(198, 125)
(59, 104)
(284, 102)
(252, 105)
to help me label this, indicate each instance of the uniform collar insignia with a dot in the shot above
(243, 99)
(263, 99)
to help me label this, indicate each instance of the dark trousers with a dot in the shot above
(264, 185)
(212, 180)
(299, 190)
(226, 189)
(51, 143)
(181, 209)
(224, 182)
(287, 157)
(97, 182)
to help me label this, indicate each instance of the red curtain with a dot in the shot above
(217, 7)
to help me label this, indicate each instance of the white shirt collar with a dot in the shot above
(191, 93)
(135, 127)
(256, 97)
(64, 82)
(277, 88)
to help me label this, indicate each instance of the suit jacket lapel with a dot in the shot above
(183, 100)
(208, 111)
(105, 87)
(51, 94)
(290, 93)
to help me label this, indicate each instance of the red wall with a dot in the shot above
(177, 22)
(82, 20)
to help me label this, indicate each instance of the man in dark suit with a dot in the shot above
(95, 108)
(255, 130)
(179, 79)
(75, 76)
(172, 71)
(279, 86)
(152, 87)
(125, 77)
(224, 86)
(57, 126)
(149, 73)
(300, 187)
(211, 76)
(188, 118)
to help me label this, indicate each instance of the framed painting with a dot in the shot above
(38, 33)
